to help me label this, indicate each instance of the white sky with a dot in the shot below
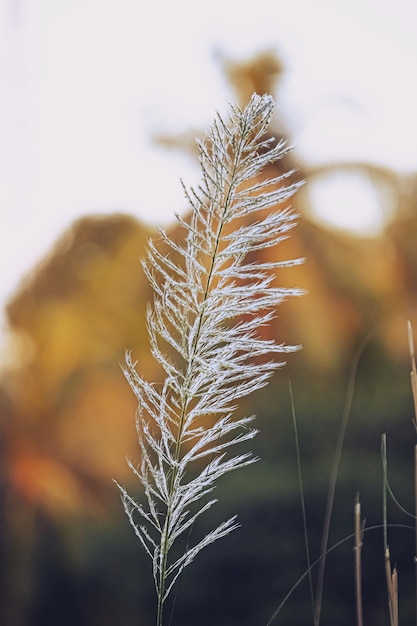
(85, 83)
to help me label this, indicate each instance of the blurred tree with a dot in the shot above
(67, 419)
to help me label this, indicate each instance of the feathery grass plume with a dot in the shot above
(209, 303)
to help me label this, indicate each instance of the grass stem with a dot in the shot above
(303, 508)
(358, 561)
(413, 375)
(333, 478)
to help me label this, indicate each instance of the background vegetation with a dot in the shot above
(68, 554)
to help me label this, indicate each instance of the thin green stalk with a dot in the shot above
(384, 488)
(333, 478)
(413, 367)
(303, 509)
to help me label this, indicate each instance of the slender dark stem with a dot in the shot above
(333, 478)
(303, 509)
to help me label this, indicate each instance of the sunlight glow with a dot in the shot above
(350, 201)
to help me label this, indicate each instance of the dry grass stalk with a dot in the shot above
(415, 526)
(391, 580)
(358, 561)
(413, 375)
(392, 589)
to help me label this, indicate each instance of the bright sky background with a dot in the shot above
(85, 83)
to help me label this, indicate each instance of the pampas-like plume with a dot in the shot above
(209, 302)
